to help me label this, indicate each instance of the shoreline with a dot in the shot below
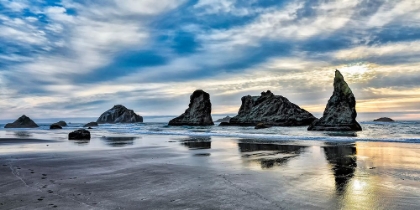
(173, 172)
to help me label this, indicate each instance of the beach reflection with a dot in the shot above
(119, 141)
(81, 142)
(22, 134)
(197, 143)
(268, 155)
(343, 161)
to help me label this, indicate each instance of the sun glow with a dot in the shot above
(355, 69)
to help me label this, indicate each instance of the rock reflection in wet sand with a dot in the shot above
(22, 134)
(197, 142)
(81, 142)
(118, 141)
(268, 155)
(343, 161)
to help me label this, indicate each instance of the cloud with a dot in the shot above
(83, 56)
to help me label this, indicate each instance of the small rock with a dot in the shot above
(55, 126)
(225, 119)
(61, 123)
(261, 126)
(384, 119)
(91, 124)
(80, 134)
(225, 124)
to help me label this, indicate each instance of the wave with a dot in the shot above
(406, 132)
(275, 137)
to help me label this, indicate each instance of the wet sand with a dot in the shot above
(15, 141)
(165, 172)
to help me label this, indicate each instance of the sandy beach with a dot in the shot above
(176, 172)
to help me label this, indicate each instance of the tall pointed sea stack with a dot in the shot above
(340, 113)
(119, 114)
(198, 112)
(270, 109)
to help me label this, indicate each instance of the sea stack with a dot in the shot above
(22, 122)
(119, 114)
(198, 112)
(271, 110)
(340, 113)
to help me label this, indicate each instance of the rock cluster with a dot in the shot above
(22, 122)
(271, 110)
(119, 114)
(340, 113)
(198, 112)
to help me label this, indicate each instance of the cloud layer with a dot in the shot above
(77, 58)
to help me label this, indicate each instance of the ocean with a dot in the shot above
(399, 131)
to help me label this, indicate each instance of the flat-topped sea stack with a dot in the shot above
(271, 110)
(198, 112)
(340, 113)
(119, 114)
(384, 119)
(22, 122)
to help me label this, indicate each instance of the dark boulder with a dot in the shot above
(55, 126)
(272, 110)
(384, 119)
(91, 124)
(80, 134)
(22, 122)
(198, 112)
(119, 114)
(340, 113)
(261, 126)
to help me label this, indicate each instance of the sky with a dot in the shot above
(78, 58)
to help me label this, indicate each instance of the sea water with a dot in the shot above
(399, 131)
